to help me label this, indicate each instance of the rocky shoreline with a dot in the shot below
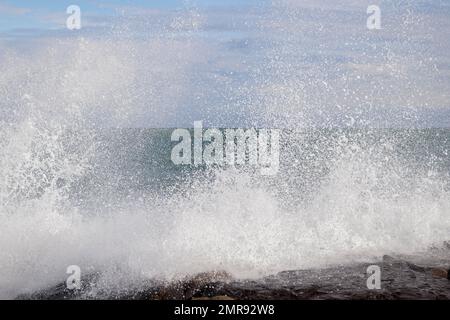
(400, 279)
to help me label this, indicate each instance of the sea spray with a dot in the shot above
(80, 187)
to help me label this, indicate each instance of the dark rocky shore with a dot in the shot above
(400, 279)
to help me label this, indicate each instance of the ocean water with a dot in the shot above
(85, 123)
(111, 201)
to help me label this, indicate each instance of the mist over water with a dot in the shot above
(82, 183)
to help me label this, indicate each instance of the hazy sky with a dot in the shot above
(228, 62)
(38, 14)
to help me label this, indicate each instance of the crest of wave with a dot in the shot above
(55, 98)
(56, 95)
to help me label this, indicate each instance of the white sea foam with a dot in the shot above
(363, 207)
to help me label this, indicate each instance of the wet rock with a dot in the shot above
(400, 279)
(216, 298)
(61, 292)
(440, 273)
(205, 284)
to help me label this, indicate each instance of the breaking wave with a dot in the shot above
(77, 188)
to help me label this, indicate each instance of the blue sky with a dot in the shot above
(48, 14)
(289, 61)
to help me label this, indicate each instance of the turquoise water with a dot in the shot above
(73, 191)
(112, 201)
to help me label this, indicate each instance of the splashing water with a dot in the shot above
(76, 189)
